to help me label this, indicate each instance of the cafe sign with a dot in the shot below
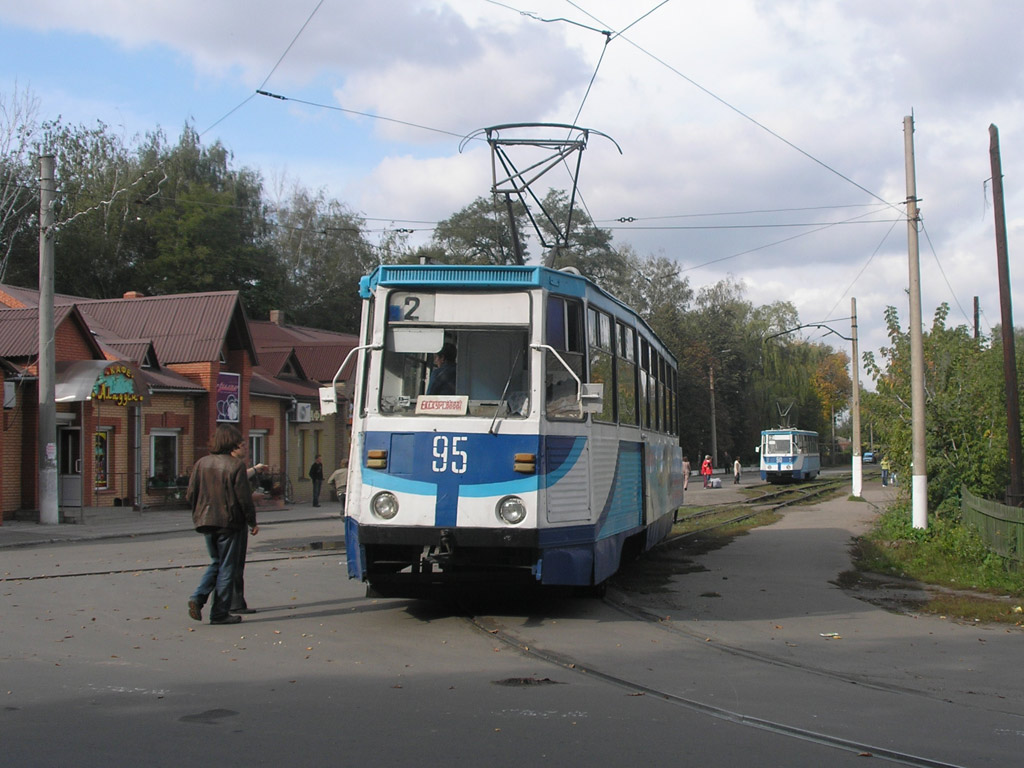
(118, 384)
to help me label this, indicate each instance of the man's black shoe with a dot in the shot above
(195, 610)
(229, 619)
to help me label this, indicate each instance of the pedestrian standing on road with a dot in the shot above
(222, 507)
(706, 470)
(886, 466)
(737, 470)
(686, 473)
(316, 474)
(339, 479)
(238, 604)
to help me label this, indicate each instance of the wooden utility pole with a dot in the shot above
(919, 470)
(1015, 492)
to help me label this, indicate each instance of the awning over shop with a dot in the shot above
(116, 381)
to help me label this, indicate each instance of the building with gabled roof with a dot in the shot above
(142, 383)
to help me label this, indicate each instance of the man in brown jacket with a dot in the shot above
(222, 508)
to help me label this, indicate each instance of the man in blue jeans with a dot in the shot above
(222, 509)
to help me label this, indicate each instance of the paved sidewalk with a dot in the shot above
(16, 533)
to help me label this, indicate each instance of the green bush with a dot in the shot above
(947, 553)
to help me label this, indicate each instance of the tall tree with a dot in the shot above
(965, 418)
(479, 234)
(99, 234)
(324, 252)
(832, 384)
(208, 226)
(589, 247)
(18, 172)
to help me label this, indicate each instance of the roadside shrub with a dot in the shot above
(947, 553)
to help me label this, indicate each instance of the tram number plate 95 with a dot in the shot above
(448, 455)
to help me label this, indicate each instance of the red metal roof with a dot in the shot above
(184, 328)
(319, 352)
(19, 330)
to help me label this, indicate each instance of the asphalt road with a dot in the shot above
(749, 656)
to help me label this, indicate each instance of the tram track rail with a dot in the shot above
(771, 501)
(567, 662)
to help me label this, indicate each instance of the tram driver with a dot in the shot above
(442, 378)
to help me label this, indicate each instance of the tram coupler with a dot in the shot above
(445, 551)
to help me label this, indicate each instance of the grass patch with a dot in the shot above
(719, 518)
(978, 583)
(976, 609)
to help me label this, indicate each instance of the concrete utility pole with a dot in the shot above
(858, 466)
(48, 511)
(714, 425)
(919, 474)
(1015, 492)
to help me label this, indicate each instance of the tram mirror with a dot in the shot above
(328, 401)
(592, 398)
(415, 340)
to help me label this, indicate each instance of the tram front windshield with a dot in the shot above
(490, 370)
(778, 445)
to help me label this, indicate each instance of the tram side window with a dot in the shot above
(625, 363)
(663, 393)
(656, 394)
(645, 384)
(599, 336)
(673, 427)
(563, 331)
(367, 325)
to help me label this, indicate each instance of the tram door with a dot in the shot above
(69, 467)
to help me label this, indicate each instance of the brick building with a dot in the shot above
(142, 383)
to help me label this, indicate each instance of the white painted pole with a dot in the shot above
(919, 474)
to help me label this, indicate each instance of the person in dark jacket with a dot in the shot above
(316, 474)
(238, 603)
(442, 379)
(222, 508)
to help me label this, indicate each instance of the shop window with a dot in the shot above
(163, 459)
(101, 459)
(257, 448)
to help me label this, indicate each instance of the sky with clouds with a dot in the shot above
(760, 139)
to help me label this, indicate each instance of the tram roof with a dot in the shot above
(504, 276)
(476, 275)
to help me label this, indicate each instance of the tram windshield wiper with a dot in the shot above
(504, 392)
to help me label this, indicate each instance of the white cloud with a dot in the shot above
(679, 92)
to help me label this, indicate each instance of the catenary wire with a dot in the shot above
(737, 110)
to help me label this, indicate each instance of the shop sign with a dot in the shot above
(229, 386)
(117, 384)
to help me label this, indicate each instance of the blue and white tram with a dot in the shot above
(550, 454)
(789, 454)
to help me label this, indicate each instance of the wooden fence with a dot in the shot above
(1000, 526)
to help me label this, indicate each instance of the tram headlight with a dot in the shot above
(384, 505)
(511, 510)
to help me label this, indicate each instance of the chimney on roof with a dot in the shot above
(133, 295)
(277, 316)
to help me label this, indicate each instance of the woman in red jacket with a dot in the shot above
(706, 470)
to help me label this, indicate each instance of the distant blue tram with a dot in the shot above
(789, 454)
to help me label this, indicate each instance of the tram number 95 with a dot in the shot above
(448, 455)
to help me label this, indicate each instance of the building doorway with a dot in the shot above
(69, 467)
